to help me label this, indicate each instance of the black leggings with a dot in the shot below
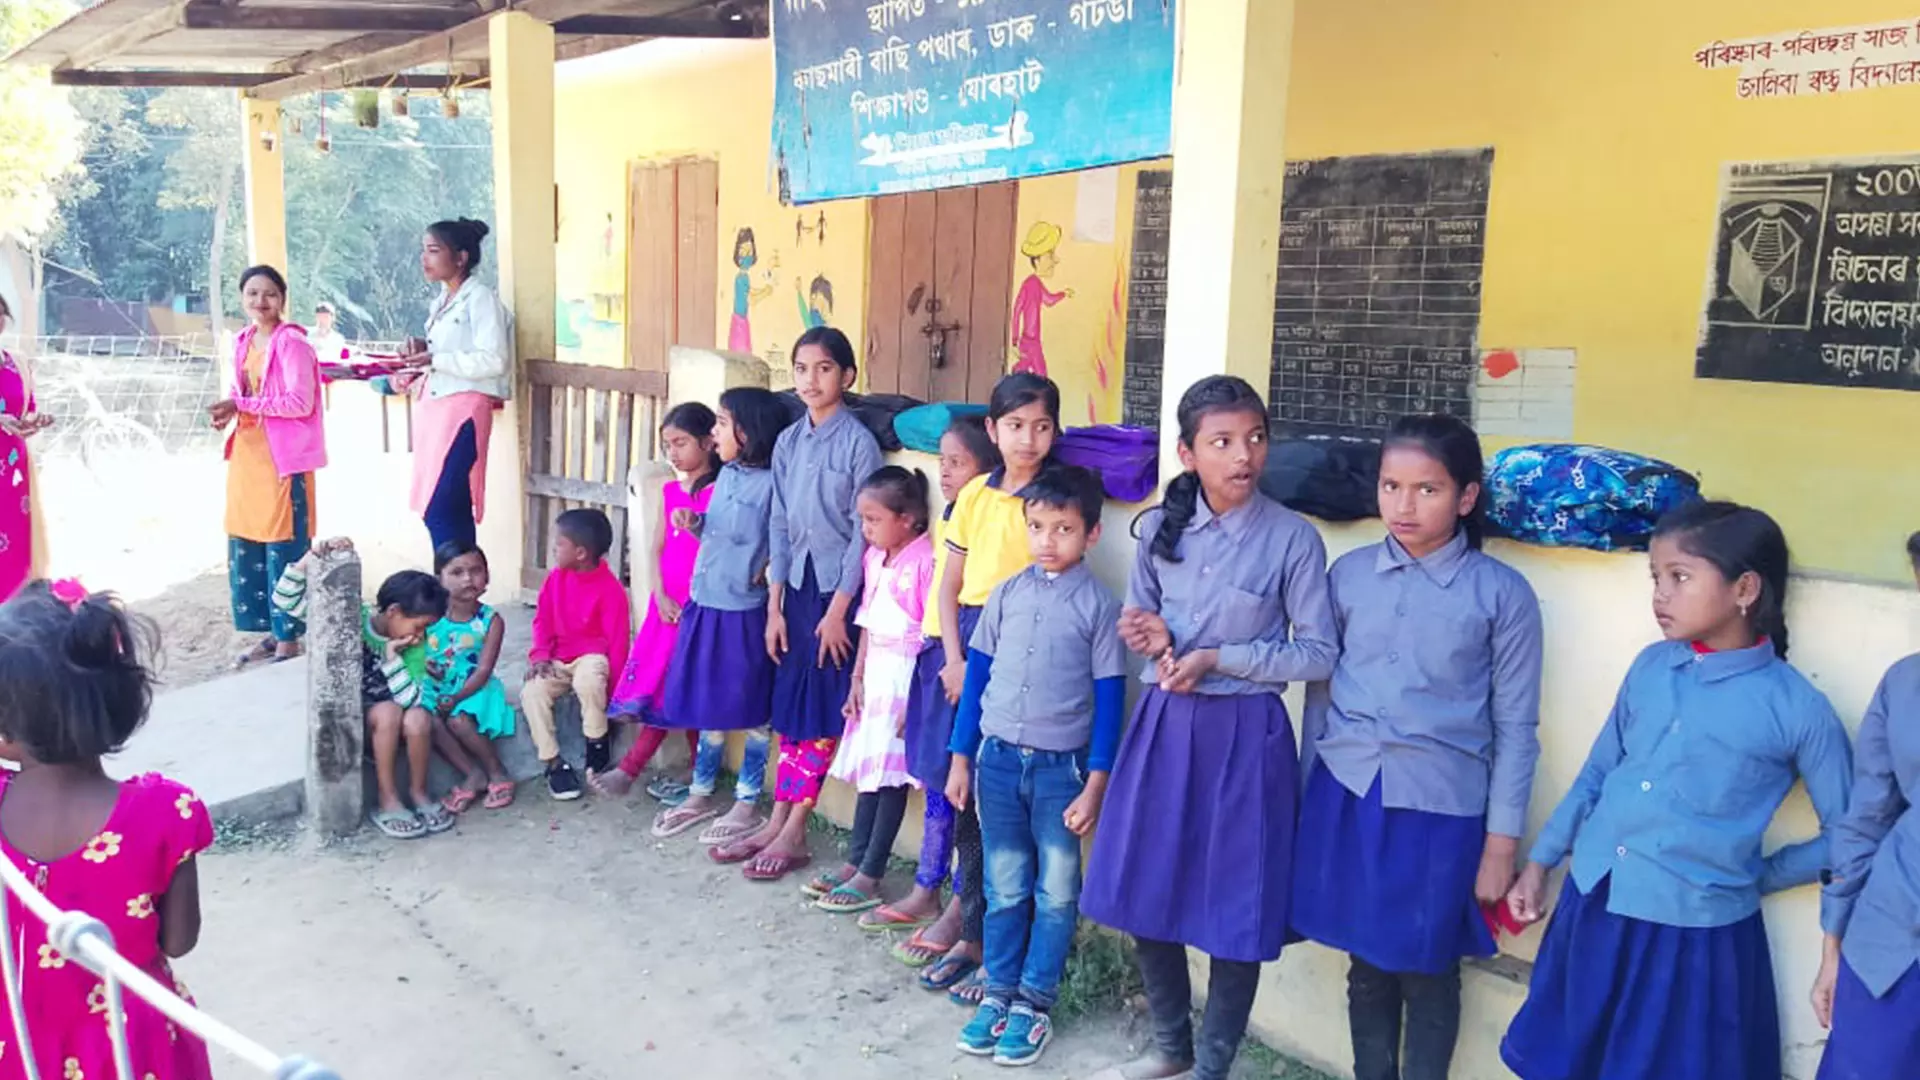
(876, 824)
(1231, 985)
(973, 873)
(1376, 1000)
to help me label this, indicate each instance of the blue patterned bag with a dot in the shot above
(1564, 495)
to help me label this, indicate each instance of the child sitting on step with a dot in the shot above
(393, 674)
(582, 630)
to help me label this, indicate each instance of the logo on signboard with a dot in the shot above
(1769, 251)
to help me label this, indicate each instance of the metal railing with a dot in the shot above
(85, 940)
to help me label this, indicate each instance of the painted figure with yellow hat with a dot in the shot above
(1040, 248)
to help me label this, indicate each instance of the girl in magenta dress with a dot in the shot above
(121, 851)
(686, 437)
(22, 549)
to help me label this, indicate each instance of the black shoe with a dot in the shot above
(599, 755)
(562, 782)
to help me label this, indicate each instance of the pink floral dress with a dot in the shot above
(872, 755)
(16, 480)
(119, 877)
(638, 691)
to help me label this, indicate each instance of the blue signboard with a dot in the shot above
(880, 96)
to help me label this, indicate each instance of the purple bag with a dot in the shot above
(1127, 459)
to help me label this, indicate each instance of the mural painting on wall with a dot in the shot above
(747, 292)
(1042, 251)
(1377, 295)
(1836, 60)
(1814, 275)
(885, 96)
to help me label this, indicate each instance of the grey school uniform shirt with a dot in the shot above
(1437, 691)
(1874, 888)
(1050, 638)
(1251, 583)
(817, 473)
(730, 571)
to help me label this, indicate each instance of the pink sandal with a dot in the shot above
(499, 796)
(458, 800)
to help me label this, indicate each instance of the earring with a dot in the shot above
(1743, 611)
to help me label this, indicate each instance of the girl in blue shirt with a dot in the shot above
(1656, 964)
(1419, 754)
(1228, 604)
(1868, 989)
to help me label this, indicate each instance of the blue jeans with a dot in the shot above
(753, 766)
(1032, 867)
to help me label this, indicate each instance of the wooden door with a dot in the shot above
(940, 292)
(673, 248)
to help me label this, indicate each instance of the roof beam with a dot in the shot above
(322, 20)
(438, 48)
(145, 28)
(338, 52)
(658, 26)
(242, 80)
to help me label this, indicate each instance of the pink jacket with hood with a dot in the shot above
(288, 403)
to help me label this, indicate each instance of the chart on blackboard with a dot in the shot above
(1147, 298)
(1377, 298)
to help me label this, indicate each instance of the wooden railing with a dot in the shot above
(588, 426)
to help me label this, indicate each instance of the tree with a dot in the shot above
(39, 134)
(202, 172)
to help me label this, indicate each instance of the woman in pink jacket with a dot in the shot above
(277, 442)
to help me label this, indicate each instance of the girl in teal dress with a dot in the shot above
(469, 705)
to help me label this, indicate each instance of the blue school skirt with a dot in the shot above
(1873, 1038)
(1616, 997)
(808, 697)
(720, 678)
(1195, 843)
(1392, 887)
(929, 714)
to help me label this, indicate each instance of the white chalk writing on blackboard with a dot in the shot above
(1140, 384)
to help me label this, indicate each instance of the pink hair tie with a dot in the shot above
(69, 591)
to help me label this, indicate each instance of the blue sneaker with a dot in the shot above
(1023, 1035)
(981, 1036)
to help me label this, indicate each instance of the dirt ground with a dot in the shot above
(564, 941)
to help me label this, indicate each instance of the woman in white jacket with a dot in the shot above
(458, 376)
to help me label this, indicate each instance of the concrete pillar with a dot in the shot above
(1229, 158)
(336, 791)
(525, 230)
(266, 188)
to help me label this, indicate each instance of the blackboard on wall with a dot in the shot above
(1377, 297)
(1816, 275)
(1147, 298)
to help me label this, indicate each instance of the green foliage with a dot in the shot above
(140, 226)
(39, 133)
(1101, 975)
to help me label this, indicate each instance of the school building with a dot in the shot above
(1684, 230)
(1614, 145)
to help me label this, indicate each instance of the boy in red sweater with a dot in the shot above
(582, 629)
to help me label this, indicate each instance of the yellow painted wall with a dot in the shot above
(1608, 141)
(668, 99)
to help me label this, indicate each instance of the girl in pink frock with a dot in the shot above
(686, 436)
(22, 550)
(121, 851)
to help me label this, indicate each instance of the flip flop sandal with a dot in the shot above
(458, 800)
(774, 867)
(970, 991)
(398, 824)
(435, 818)
(725, 832)
(733, 851)
(259, 654)
(500, 795)
(823, 883)
(846, 900)
(916, 952)
(947, 972)
(667, 791)
(676, 821)
(885, 918)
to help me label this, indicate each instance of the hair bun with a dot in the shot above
(96, 635)
(479, 227)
